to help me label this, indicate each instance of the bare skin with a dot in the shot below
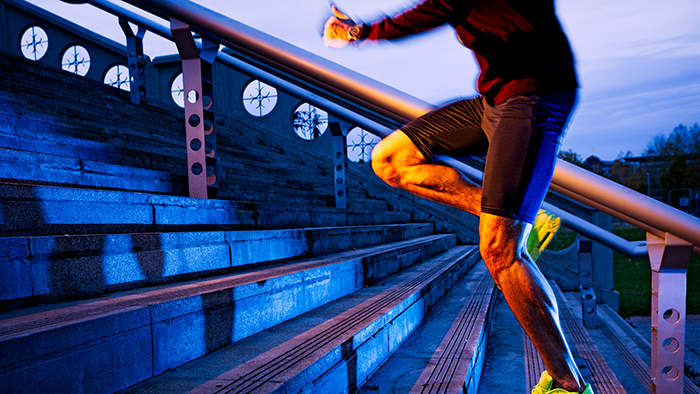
(502, 244)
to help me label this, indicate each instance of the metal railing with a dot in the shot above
(672, 234)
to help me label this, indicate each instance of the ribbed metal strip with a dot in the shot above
(534, 365)
(454, 346)
(352, 321)
(603, 377)
(447, 364)
(635, 364)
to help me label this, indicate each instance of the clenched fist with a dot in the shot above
(340, 30)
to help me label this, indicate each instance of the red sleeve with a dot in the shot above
(424, 16)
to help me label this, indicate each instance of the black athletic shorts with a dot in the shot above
(519, 137)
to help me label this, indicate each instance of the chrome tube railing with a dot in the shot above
(630, 249)
(389, 107)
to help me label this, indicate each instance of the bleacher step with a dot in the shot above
(41, 167)
(116, 341)
(50, 210)
(445, 354)
(331, 349)
(45, 268)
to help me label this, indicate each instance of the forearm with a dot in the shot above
(425, 16)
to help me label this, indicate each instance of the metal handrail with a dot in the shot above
(605, 237)
(631, 249)
(386, 106)
(380, 109)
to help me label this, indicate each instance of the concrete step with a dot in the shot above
(446, 353)
(49, 268)
(332, 349)
(50, 168)
(43, 150)
(109, 343)
(323, 196)
(48, 210)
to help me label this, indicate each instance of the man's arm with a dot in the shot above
(424, 16)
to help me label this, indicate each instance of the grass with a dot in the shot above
(562, 239)
(633, 280)
(633, 276)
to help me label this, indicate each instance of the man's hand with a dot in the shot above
(339, 30)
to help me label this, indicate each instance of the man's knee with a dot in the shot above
(501, 242)
(392, 156)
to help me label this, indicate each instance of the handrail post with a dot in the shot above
(669, 258)
(197, 75)
(4, 40)
(136, 61)
(339, 131)
(585, 277)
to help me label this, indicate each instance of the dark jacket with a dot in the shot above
(519, 44)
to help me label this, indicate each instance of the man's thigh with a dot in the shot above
(524, 136)
(453, 129)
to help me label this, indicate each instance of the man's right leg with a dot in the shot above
(399, 163)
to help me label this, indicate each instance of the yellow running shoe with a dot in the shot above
(543, 231)
(545, 387)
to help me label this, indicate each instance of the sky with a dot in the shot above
(638, 61)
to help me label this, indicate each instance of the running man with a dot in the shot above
(527, 89)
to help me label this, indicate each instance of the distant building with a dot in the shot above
(645, 174)
(600, 167)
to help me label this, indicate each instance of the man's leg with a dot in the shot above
(503, 246)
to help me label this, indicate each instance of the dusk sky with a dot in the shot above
(638, 60)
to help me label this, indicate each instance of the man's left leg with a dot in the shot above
(503, 246)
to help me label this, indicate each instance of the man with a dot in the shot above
(528, 89)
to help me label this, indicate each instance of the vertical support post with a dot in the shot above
(669, 258)
(339, 131)
(208, 55)
(585, 277)
(194, 113)
(136, 61)
(4, 41)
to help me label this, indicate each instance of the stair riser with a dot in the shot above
(85, 368)
(390, 263)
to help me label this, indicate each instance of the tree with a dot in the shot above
(627, 174)
(572, 157)
(682, 152)
(682, 141)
